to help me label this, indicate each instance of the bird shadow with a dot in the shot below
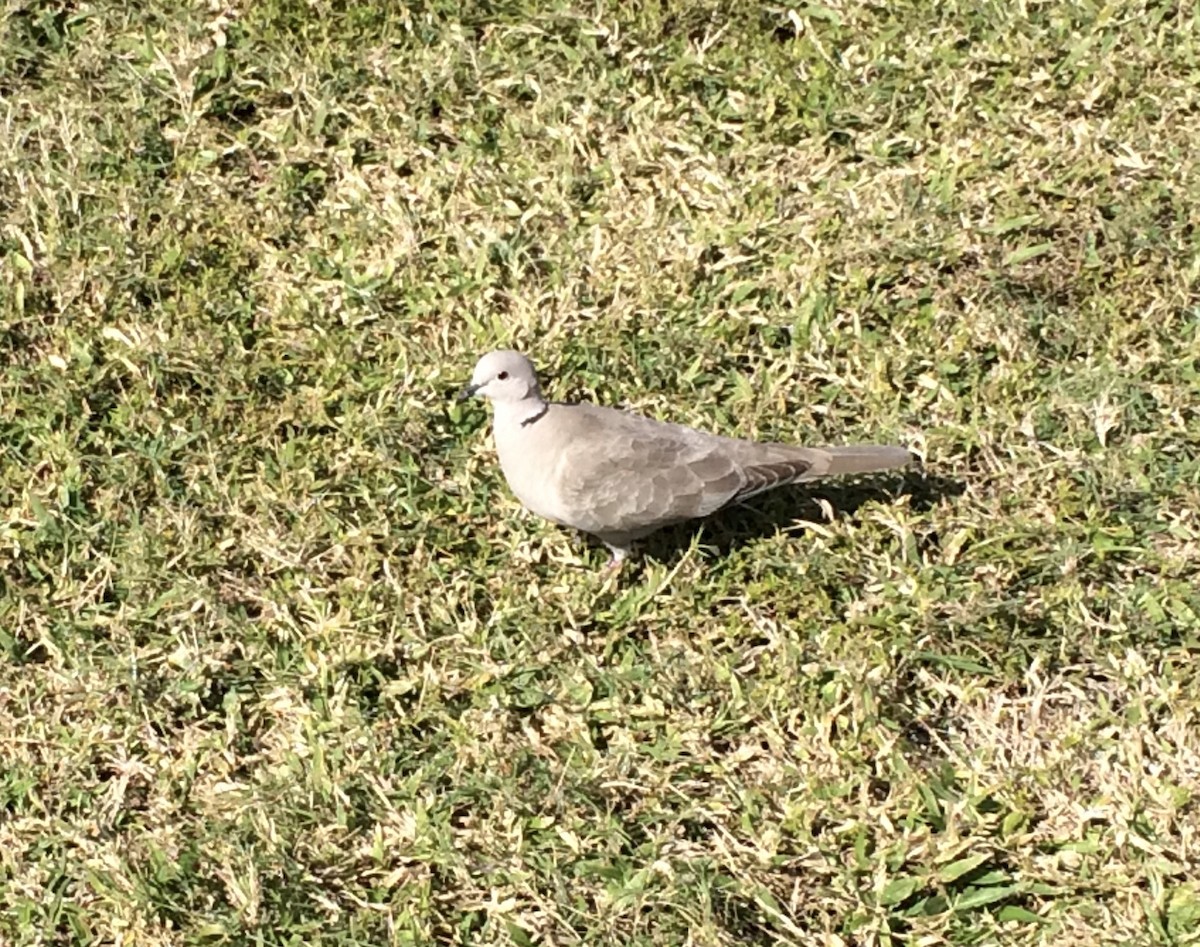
(767, 514)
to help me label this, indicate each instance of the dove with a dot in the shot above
(620, 476)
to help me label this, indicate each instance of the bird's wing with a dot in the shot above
(620, 473)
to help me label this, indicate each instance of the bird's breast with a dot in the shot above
(529, 462)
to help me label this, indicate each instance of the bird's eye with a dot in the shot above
(502, 376)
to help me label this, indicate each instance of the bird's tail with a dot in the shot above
(786, 464)
(861, 459)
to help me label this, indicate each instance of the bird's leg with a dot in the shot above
(618, 558)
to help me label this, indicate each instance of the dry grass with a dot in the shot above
(285, 663)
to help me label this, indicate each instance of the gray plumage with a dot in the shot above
(621, 476)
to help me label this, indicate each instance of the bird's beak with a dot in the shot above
(467, 392)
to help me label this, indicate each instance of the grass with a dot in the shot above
(284, 662)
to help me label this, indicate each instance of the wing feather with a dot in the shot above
(624, 474)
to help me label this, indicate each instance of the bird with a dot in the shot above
(620, 476)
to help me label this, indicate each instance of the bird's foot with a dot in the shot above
(613, 567)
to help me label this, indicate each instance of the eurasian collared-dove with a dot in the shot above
(621, 476)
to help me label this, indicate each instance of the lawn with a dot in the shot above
(282, 661)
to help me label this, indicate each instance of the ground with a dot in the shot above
(285, 663)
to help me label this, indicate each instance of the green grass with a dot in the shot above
(283, 661)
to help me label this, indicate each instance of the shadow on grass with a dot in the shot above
(782, 509)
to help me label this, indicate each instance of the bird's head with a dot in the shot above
(502, 376)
